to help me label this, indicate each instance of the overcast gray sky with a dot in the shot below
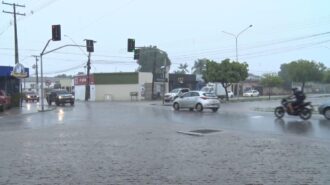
(283, 31)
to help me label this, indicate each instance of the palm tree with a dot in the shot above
(199, 66)
(182, 69)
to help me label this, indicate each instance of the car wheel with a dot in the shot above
(57, 103)
(199, 107)
(72, 103)
(49, 102)
(215, 109)
(26, 101)
(176, 106)
(327, 113)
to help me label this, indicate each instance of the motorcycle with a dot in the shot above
(304, 110)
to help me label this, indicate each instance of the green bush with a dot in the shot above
(15, 99)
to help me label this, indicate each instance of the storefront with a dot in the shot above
(182, 81)
(9, 83)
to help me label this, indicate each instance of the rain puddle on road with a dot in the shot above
(257, 117)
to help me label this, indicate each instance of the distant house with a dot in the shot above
(252, 82)
(30, 84)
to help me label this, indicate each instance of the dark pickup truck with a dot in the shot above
(60, 97)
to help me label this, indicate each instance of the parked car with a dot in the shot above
(171, 96)
(251, 93)
(31, 96)
(230, 94)
(198, 100)
(324, 109)
(5, 100)
(60, 97)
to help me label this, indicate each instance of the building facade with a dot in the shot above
(113, 86)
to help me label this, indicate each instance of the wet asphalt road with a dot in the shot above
(138, 143)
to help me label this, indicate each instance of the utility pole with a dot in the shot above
(153, 75)
(90, 49)
(36, 68)
(87, 94)
(15, 25)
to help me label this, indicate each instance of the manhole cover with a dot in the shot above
(199, 132)
(204, 131)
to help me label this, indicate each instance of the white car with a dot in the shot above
(198, 100)
(169, 97)
(251, 93)
(230, 94)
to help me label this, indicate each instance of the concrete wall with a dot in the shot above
(115, 92)
(144, 78)
(80, 92)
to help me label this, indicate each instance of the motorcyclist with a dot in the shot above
(299, 98)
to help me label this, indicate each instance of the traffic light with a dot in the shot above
(90, 45)
(130, 45)
(137, 54)
(56, 32)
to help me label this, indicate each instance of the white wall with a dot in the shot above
(143, 78)
(79, 92)
(115, 92)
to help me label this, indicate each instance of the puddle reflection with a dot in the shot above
(324, 124)
(295, 127)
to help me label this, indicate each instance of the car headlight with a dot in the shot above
(28, 96)
(60, 97)
(72, 96)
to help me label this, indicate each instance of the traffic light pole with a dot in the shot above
(87, 92)
(41, 68)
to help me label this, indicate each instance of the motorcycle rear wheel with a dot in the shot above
(279, 112)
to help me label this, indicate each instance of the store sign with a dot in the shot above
(82, 80)
(19, 71)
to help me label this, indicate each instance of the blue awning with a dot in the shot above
(5, 71)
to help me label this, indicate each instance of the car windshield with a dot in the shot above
(62, 92)
(175, 91)
(209, 95)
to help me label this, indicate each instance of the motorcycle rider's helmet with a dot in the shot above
(294, 89)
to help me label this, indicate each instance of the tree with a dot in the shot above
(152, 59)
(226, 72)
(302, 71)
(271, 80)
(199, 66)
(63, 76)
(326, 76)
(182, 69)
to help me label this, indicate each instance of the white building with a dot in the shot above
(112, 86)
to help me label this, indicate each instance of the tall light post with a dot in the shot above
(236, 43)
(236, 38)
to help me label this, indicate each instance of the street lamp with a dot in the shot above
(236, 41)
(236, 38)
